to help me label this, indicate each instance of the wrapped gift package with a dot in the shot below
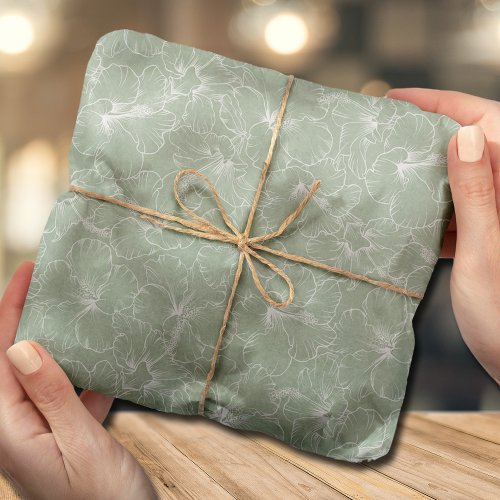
(242, 244)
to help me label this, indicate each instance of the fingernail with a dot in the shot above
(24, 357)
(470, 141)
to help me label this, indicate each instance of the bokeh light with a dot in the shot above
(286, 33)
(16, 33)
(29, 194)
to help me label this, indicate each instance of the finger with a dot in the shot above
(463, 108)
(471, 181)
(12, 303)
(50, 390)
(11, 307)
(97, 404)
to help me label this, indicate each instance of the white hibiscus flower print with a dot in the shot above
(213, 260)
(423, 259)
(101, 377)
(191, 71)
(215, 156)
(326, 210)
(366, 128)
(195, 102)
(240, 405)
(138, 114)
(296, 136)
(376, 353)
(362, 434)
(309, 313)
(407, 172)
(80, 297)
(360, 247)
(255, 124)
(402, 206)
(147, 370)
(287, 187)
(315, 405)
(59, 223)
(365, 124)
(148, 46)
(180, 310)
(413, 132)
(188, 312)
(130, 238)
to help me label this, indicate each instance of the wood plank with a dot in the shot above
(171, 472)
(485, 425)
(435, 454)
(8, 489)
(452, 444)
(434, 475)
(243, 468)
(354, 480)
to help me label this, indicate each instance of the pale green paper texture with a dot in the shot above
(133, 310)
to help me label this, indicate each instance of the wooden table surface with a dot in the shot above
(434, 455)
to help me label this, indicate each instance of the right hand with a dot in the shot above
(473, 237)
(52, 442)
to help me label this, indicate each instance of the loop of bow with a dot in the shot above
(202, 228)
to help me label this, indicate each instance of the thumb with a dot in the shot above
(471, 181)
(51, 391)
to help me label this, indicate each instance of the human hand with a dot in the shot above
(52, 442)
(473, 236)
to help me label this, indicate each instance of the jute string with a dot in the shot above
(248, 246)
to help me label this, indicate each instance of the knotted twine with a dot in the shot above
(248, 246)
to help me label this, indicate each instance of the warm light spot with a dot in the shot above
(29, 194)
(16, 33)
(286, 33)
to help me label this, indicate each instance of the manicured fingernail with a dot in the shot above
(24, 357)
(470, 141)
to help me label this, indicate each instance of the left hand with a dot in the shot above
(52, 443)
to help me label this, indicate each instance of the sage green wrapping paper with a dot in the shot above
(133, 310)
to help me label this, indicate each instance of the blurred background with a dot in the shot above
(367, 46)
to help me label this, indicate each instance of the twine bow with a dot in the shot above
(202, 228)
(248, 246)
